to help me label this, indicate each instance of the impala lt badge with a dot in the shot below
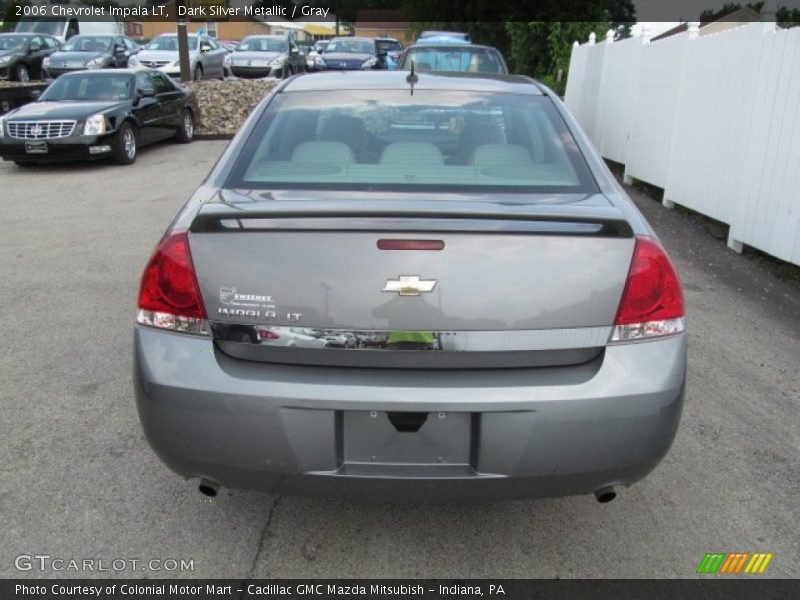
(409, 285)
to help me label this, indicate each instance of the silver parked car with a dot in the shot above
(207, 59)
(267, 56)
(518, 328)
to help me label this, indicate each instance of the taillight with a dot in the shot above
(169, 297)
(267, 334)
(652, 302)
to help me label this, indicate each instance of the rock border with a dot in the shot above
(225, 105)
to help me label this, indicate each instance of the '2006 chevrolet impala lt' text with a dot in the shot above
(410, 285)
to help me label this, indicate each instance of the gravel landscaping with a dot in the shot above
(224, 105)
(12, 84)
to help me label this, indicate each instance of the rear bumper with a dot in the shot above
(512, 432)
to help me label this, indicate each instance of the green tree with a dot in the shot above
(543, 48)
(8, 13)
(788, 17)
(709, 15)
(785, 17)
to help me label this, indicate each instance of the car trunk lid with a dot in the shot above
(500, 286)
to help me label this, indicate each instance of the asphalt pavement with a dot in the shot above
(80, 482)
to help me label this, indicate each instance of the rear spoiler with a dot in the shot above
(437, 217)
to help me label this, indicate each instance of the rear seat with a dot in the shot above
(407, 153)
(501, 155)
(331, 153)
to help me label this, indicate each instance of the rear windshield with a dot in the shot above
(389, 45)
(455, 59)
(387, 139)
(452, 34)
(351, 47)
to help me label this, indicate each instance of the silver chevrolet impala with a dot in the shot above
(483, 312)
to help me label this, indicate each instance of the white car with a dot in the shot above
(206, 57)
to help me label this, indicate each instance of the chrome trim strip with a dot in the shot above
(280, 336)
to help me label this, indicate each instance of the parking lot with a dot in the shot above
(80, 481)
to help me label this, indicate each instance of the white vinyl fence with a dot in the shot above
(714, 120)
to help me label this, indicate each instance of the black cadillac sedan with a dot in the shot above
(98, 114)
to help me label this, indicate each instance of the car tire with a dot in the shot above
(22, 73)
(125, 145)
(24, 163)
(186, 131)
(198, 73)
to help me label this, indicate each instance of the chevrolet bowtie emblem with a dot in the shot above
(409, 285)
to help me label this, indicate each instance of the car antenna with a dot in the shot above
(412, 78)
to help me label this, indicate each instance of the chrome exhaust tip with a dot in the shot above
(208, 488)
(605, 494)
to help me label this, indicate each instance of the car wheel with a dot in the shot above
(125, 148)
(23, 74)
(186, 132)
(24, 163)
(198, 73)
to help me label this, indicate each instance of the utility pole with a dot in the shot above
(183, 43)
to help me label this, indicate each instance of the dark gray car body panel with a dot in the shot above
(475, 276)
